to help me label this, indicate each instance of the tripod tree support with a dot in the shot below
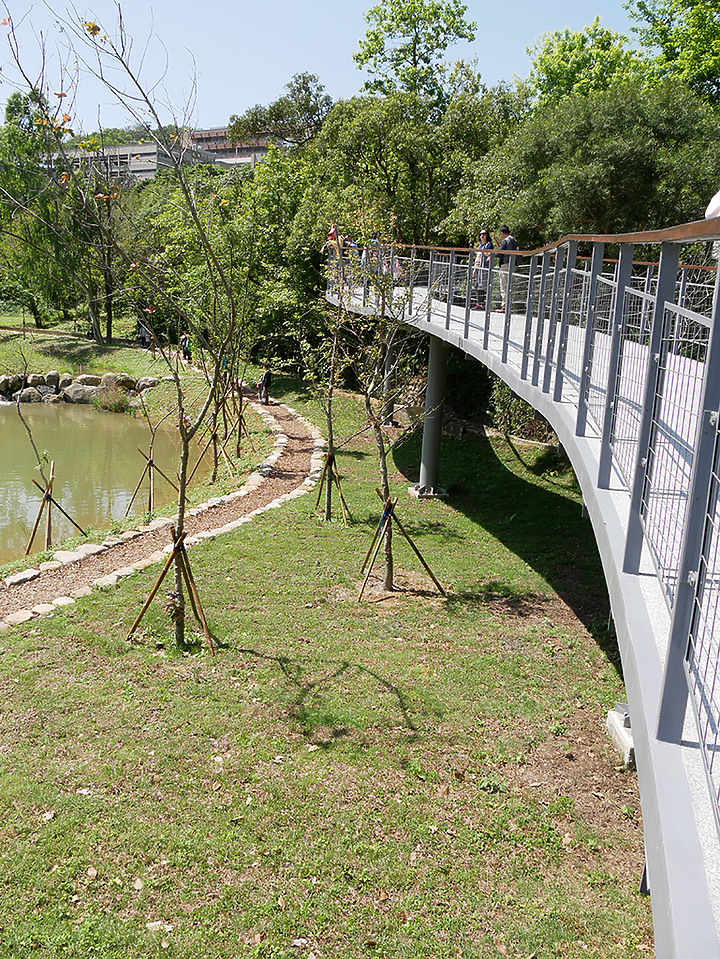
(179, 553)
(49, 500)
(330, 474)
(46, 501)
(387, 517)
(150, 467)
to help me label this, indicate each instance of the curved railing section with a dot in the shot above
(615, 340)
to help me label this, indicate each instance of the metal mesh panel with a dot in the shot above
(672, 438)
(577, 318)
(703, 652)
(630, 384)
(695, 289)
(600, 349)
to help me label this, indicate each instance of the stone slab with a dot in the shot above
(66, 556)
(108, 580)
(23, 577)
(42, 609)
(21, 616)
(90, 549)
(49, 564)
(63, 601)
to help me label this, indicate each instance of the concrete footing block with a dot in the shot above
(619, 730)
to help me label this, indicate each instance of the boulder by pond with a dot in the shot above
(55, 387)
(80, 393)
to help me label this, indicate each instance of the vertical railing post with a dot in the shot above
(468, 295)
(528, 318)
(673, 702)
(595, 271)
(492, 273)
(665, 292)
(552, 331)
(431, 267)
(624, 275)
(540, 329)
(450, 289)
(565, 319)
(508, 299)
(683, 286)
(647, 286)
(411, 289)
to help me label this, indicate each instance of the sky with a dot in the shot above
(245, 53)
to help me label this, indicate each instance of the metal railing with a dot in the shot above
(633, 346)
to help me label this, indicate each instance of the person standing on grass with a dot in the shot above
(508, 242)
(263, 386)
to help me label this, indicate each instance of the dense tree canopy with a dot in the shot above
(599, 138)
(293, 119)
(685, 36)
(583, 61)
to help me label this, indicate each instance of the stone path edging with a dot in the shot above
(65, 557)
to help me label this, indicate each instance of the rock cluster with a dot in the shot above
(56, 387)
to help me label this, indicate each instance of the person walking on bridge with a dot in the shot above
(481, 268)
(508, 242)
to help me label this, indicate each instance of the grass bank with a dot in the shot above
(410, 776)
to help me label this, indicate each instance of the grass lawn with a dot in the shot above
(410, 776)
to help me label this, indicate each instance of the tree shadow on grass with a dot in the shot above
(544, 528)
(306, 688)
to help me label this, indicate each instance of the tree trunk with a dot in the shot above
(35, 311)
(179, 612)
(330, 435)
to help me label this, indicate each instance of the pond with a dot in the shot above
(97, 467)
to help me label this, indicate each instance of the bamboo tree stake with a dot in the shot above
(46, 500)
(330, 467)
(419, 556)
(150, 465)
(48, 497)
(380, 535)
(179, 552)
(378, 532)
(58, 506)
(414, 547)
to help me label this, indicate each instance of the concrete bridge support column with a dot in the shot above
(433, 421)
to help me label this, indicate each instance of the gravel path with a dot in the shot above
(291, 469)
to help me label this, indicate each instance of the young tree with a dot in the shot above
(293, 119)
(210, 308)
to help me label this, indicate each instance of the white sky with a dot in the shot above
(246, 52)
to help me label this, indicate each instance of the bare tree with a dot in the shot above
(213, 313)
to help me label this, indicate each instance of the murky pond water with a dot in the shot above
(97, 467)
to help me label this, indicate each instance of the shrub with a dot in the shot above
(113, 401)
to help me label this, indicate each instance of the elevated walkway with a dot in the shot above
(622, 358)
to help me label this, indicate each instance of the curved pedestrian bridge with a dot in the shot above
(615, 340)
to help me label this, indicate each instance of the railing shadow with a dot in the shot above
(544, 528)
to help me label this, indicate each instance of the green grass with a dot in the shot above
(124, 326)
(410, 776)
